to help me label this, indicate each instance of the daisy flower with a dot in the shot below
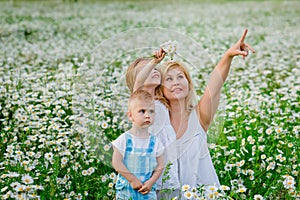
(188, 194)
(27, 179)
(170, 48)
(185, 187)
(258, 197)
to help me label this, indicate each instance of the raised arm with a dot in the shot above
(158, 56)
(117, 162)
(209, 102)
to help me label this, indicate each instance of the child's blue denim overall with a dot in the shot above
(141, 162)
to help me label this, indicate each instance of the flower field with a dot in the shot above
(63, 94)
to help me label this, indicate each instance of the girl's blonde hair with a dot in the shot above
(132, 72)
(191, 97)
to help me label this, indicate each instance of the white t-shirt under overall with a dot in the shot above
(120, 143)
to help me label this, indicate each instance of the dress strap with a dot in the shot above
(129, 144)
(151, 144)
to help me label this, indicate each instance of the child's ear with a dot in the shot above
(129, 115)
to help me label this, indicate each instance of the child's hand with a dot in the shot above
(136, 184)
(159, 55)
(146, 188)
(240, 48)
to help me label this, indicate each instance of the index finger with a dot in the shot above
(244, 35)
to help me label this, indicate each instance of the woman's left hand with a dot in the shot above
(241, 47)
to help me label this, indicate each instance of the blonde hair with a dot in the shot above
(132, 72)
(140, 95)
(191, 97)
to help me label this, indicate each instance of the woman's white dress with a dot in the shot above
(194, 161)
(189, 155)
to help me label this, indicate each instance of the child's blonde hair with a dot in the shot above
(140, 95)
(132, 72)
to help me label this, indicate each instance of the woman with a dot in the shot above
(191, 119)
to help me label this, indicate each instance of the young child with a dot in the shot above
(137, 155)
(143, 74)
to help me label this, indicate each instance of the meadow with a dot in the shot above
(63, 94)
